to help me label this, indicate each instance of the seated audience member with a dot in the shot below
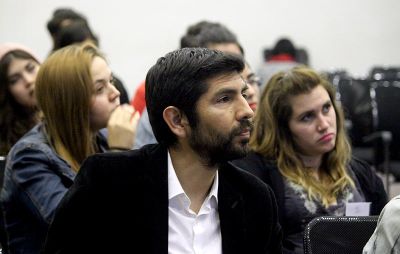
(74, 91)
(18, 109)
(61, 18)
(145, 134)
(138, 101)
(181, 195)
(253, 93)
(75, 32)
(386, 238)
(68, 27)
(283, 58)
(301, 150)
(203, 34)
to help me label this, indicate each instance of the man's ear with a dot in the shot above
(176, 121)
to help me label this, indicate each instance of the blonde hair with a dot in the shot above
(273, 139)
(64, 89)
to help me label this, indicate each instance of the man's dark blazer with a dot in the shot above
(119, 204)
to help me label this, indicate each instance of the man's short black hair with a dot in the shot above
(179, 79)
(76, 32)
(284, 46)
(204, 33)
(61, 14)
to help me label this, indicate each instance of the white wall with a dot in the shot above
(350, 34)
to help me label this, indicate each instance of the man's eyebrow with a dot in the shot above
(251, 75)
(226, 90)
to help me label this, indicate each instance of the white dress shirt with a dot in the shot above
(189, 232)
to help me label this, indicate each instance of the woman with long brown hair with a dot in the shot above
(301, 150)
(18, 107)
(75, 92)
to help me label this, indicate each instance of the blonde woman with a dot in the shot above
(75, 91)
(301, 150)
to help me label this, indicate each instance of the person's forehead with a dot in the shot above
(309, 101)
(18, 64)
(231, 80)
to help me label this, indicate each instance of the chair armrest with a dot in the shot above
(385, 136)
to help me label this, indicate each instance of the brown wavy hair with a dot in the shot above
(273, 139)
(15, 119)
(64, 89)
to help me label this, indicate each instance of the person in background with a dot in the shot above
(19, 112)
(301, 150)
(180, 194)
(75, 93)
(282, 58)
(211, 35)
(203, 34)
(62, 17)
(253, 93)
(386, 237)
(18, 107)
(138, 101)
(68, 27)
(75, 32)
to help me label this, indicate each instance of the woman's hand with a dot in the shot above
(122, 127)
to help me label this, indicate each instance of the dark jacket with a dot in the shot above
(119, 204)
(267, 170)
(35, 180)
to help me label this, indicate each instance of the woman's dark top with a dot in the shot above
(295, 210)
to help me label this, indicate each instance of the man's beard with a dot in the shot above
(215, 147)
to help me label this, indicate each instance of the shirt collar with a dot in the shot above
(175, 187)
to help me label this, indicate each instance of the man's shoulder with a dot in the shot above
(119, 164)
(148, 152)
(247, 182)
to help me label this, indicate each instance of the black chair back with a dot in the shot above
(385, 73)
(338, 234)
(354, 96)
(386, 112)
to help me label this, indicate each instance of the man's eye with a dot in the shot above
(223, 99)
(255, 81)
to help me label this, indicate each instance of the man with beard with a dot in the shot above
(181, 195)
